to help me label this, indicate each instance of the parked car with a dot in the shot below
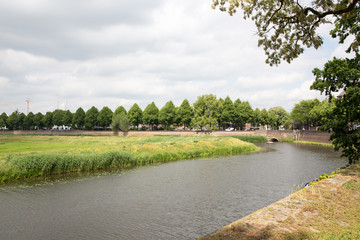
(229, 129)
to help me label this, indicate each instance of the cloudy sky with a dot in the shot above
(70, 54)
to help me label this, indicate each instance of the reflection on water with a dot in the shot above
(178, 200)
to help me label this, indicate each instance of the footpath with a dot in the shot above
(328, 209)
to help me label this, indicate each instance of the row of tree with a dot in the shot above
(208, 113)
(308, 114)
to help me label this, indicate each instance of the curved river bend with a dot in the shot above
(178, 200)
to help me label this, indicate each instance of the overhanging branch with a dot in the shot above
(332, 12)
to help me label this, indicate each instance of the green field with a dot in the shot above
(24, 156)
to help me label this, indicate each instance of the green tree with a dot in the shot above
(119, 110)
(321, 114)
(115, 124)
(337, 75)
(219, 111)
(104, 117)
(58, 117)
(48, 120)
(135, 115)
(20, 121)
(120, 122)
(264, 118)
(278, 116)
(177, 119)
(91, 118)
(28, 123)
(167, 114)
(256, 117)
(67, 118)
(124, 122)
(185, 113)
(206, 112)
(243, 113)
(151, 115)
(12, 120)
(237, 116)
(284, 28)
(301, 112)
(3, 118)
(78, 120)
(38, 121)
(228, 112)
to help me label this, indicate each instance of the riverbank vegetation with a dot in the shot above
(291, 140)
(315, 143)
(24, 156)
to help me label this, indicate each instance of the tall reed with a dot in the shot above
(43, 164)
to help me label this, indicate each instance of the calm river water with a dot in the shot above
(178, 200)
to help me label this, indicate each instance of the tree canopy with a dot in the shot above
(104, 117)
(167, 114)
(343, 74)
(48, 119)
(67, 118)
(28, 121)
(286, 27)
(135, 115)
(243, 113)
(151, 114)
(3, 118)
(301, 112)
(278, 116)
(58, 117)
(206, 111)
(185, 113)
(78, 120)
(91, 118)
(38, 120)
(119, 110)
(228, 111)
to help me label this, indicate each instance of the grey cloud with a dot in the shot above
(107, 53)
(49, 28)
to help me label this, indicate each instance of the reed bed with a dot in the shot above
(36, 155)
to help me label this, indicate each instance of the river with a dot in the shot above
(177, 200)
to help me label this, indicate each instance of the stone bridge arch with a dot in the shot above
(273, 139)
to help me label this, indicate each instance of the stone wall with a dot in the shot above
(314, 136)
(303, 135)
(310, 136)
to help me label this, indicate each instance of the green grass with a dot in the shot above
(315, 143)
(252, 139)
(24, 156)
(287, 140)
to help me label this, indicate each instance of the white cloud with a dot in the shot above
(115, 53)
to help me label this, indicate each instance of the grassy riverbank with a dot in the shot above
(327, 210)
(25, 156)
(307, 142)
(251, 138)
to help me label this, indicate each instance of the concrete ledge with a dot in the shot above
(272, 216)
